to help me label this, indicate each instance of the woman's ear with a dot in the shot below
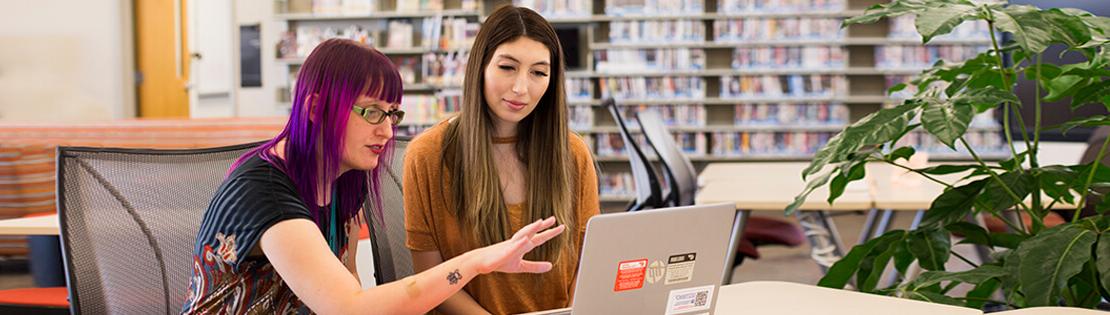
(310, 104)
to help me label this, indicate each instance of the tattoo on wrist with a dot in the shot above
(454, 277)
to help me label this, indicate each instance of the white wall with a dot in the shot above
(66, 60)
(262, 101)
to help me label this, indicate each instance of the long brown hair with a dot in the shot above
(542, 142)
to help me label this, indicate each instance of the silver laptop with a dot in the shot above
(662, 261)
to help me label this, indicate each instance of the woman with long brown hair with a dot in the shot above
(508, 158)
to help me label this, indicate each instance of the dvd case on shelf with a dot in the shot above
(829, 114)
(787, 57)
(640, 60)
(780, 6)
(744, 29)
(673, 88)
(657, 31)
(793, 85)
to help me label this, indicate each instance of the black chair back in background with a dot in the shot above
(648, 190)
(678, 171)
(129, 219)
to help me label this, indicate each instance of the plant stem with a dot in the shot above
(961, 257)
(1090, 176)
(919, 173)
(1037, 213)
(993, 175)
(1007, 85)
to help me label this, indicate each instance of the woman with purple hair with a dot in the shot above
(274, 238)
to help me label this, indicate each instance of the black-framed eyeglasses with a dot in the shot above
(376, 116)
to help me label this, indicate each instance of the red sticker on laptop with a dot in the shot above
(630, 275)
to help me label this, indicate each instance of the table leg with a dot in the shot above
(868, 226)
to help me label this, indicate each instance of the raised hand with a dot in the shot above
(508, 256)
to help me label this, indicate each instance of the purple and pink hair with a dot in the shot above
(333, 77)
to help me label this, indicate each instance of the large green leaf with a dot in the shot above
(1049, 259)
(933, 297)
(841, 271)
(1065, 85)
(931, 247)
(948, 169)
(856, 172)
(973, 276)
(1032, 28)
(977, 297)
(936, 21)
(876, 128)
(810, 187)
(892, 9)
(972, 234)
(1103, 263)
(953, 205)
(872, 267)
(901, 153)
(1093, 93)
(1088, 121)
(946, 121)
(902, 257)
(995, 198)
(1056, 182)
(984, 98)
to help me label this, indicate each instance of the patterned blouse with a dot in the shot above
(227, 278)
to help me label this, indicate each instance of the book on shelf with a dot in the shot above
(420, 5)
(744, 29)
(658, 59)
(790, 57)
(400, 34)
(430, 109)
(780, 6)
(672, 115)
(616, 184)
(305, 38)
(693, 144)
(657, 31)
(673, 88)
(448, 33)
(579, 89)
(581, 117)
(795, 85)
(653, 7)
(446, 68)
(407, 66)
(918, 56)
(827, 114)
(755, 144)
(558, 8)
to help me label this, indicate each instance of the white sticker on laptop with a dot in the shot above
(680, 268)
(689, 300)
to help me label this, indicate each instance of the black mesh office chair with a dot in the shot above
(129, 219)
(648, 190)
(392, 260)
(682, 185)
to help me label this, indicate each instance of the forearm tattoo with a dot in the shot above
(454, 277)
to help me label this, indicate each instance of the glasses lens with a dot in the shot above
(397, 117)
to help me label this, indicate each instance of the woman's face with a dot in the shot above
(516, 79)
(365, 140)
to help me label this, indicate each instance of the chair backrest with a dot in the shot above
(392, 260)
(678, 171)
(648, 191)
(129, 219)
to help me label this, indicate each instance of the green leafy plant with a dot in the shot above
(1066, 264)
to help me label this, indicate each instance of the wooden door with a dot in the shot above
(161, 58)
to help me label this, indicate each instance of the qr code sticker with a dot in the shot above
(701, 299)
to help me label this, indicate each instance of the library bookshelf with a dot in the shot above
(735, 80)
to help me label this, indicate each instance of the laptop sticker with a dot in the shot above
(689, 300)
(630, 275)
(656, 271)
(680, 268)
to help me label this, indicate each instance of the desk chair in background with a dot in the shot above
(129, 219)
(392, 260)
(648, 191)
(682, 188)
